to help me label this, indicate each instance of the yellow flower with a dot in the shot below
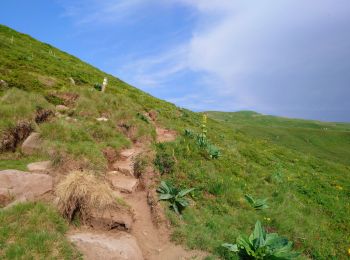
(268, 219)
(349, 251)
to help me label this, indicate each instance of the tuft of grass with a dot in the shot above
(34, 231)
(81, 193)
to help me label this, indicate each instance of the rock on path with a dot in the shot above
(19, 185)
(40, 167)
(118, 246)
(122, 182)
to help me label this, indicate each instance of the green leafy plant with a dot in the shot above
(202, 141)
(262, 245)
(175, 196)
(213, 151)
(257, 204)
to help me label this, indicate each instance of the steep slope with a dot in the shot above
(307, 196)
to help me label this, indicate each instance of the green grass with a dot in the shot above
(307, 196)
(17, 161)
(329, 141)
(301, 166)
(34, 231)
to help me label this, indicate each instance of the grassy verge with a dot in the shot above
(34, 231)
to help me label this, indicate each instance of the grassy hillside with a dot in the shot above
(308, 196)
(326, 140)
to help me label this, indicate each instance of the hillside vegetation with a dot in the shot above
(326, 140)
(303, 174)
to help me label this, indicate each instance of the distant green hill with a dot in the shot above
(326, 140)
(301, 167)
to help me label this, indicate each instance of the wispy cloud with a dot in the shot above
(157, 70)
(274, 57)
(89, 12)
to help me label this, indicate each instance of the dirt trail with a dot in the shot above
(153, 240)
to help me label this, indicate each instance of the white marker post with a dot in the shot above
(104, 84)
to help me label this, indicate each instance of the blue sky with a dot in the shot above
(288, 57)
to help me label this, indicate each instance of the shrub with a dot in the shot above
(262, 245)
(175, 196)
(80, 193)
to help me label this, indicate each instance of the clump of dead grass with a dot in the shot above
(81, 193)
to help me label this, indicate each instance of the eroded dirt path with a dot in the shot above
(144, 235)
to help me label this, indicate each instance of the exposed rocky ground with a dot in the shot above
(138, 232)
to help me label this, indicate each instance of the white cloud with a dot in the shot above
(265, 55)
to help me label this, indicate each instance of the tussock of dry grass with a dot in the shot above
(81, 193)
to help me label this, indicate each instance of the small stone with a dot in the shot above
(3, 83)
(102, 119)
(123, 183)
(61, 108)
(32, 144)
(40, 167)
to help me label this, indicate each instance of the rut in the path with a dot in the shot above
(144, 239)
